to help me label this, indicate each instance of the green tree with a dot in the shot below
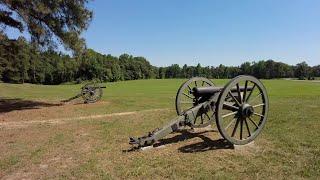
(46, 20)
(173, 71)
(23, 64)
(302, 70)
(246, 68)
(199, 71)
(161, 73)
(184, 72)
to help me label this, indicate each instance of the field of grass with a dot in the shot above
(97, 148)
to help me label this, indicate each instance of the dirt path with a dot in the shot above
(314, 81)
(21, 124)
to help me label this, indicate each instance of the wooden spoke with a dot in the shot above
(185, 102)
(249, 133)
(187, 95)
(257, 114)
(250, 93)
(245, 91)
(189, 88)
(258, 105)
(201, 119)
(234, 98)
(239, 92)
(235, 128)
(255, 97)
(241, 127)
(253, 123)
(230, 106)
(213, 115)
(229, 114)
(195, 120)
(234, 119)
(207, 115)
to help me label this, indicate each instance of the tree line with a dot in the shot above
(268, 69)
(22, 61)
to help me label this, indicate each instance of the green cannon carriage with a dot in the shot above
(240, 110)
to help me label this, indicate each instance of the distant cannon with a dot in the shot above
(90, 93)
(240, 110)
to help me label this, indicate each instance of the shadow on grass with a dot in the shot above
(12, 104)
(206, 145)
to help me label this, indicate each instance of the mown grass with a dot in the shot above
(288, 148)
(127, 95)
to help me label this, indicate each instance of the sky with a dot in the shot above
(209, 32)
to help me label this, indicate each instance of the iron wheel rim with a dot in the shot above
(185, 92)
(251, 124)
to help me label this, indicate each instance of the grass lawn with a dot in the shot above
(42, 139)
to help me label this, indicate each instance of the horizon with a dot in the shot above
(207, 32)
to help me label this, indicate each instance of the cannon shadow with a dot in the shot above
(206, 145)
(12, 104)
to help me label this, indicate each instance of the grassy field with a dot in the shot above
(40, 138)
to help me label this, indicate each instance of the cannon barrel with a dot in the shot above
(211, 90)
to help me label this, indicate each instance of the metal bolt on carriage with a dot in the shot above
(240, 110)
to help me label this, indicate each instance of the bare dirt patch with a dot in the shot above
(20, 124)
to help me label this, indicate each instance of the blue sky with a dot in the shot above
(210, 32)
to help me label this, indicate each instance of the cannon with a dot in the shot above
(90, 93)
(240, 110)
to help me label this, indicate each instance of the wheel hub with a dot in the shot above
(246, 110)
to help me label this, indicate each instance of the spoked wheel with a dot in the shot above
(242, 110)
(185, 100)
(91, 93)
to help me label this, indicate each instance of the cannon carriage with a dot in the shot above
(90, 93)
(240, 110)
